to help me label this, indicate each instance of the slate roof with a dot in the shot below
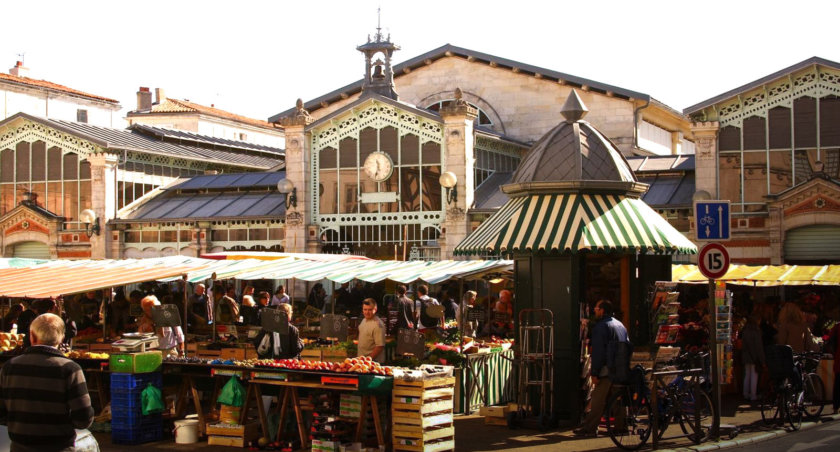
(813, 61)
(212, 197)
(488, 195)
(122, 139)
(670, 177)
(450, 50)
(31, 82)
(182, 135)
(185, 106)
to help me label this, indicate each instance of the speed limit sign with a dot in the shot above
(713, 260)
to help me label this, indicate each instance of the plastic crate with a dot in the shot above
(137, 435)
(136, 362)
(132, 381)
(133, 421)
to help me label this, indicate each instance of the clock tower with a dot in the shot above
(379, 74)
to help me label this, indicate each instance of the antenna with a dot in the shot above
(22, 56)
(378, 36)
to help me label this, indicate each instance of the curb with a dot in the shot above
(726, 444)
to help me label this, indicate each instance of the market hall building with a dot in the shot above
(411, 157)
(772, 147)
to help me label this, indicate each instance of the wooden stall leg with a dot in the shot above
(181, 403)
(260, 408)
(202, 427)
(362, 413)
(299, 414)
(217, 386)
(374, 407)
(283, 404)
(243, 415)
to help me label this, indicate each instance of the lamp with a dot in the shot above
(449, 180)
(91, 221)
(286, 187)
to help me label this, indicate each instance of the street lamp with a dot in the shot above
(89, 218)
(286, 187)
(449, 180)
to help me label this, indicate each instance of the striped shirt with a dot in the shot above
(43, 399)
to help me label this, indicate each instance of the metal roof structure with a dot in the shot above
(449, 50)
(230, 181)
(182, 135)
(129, 140)
(813, 61)
(489, 195)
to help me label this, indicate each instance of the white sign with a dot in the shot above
(713, 260)
(388, 196)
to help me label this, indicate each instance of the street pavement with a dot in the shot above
(472, 435)
(824, 437)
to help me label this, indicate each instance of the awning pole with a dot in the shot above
(186, 305)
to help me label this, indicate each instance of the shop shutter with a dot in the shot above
(813, 243)
(32, 250)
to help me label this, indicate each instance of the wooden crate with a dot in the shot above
(500, 421)
(232, 435)
(311, 354)
(239, 353)
(100, 348)
(422, 415)
(333, 356)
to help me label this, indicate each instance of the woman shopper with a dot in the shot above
(752, 352)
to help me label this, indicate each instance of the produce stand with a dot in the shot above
(486, 379)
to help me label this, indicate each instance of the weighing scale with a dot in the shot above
(136, 342)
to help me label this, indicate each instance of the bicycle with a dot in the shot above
(785, 402)
(814, 397)
(681, 401)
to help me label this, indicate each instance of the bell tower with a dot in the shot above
(379, 74)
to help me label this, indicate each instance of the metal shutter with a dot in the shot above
(813, 243)
(32, 250)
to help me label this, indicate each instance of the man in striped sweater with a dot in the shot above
(43, 395)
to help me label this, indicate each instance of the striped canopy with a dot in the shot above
(764, 275)
(573, 222)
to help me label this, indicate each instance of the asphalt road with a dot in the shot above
(825, 437)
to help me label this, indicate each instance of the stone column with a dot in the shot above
(297, 172)
(705, 158)
(458, 141)
(103, 201)
(676, 143)
(201, 237)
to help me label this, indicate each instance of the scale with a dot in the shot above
(136, 342)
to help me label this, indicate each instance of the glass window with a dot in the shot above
(7, 165)
(219, 235)
(71, 166)
(805, 122)
(22, 162)
(754, 131)
(347, 153)
(730, 179)
(779, 119)
(54, 196)
(409, 150)
(755, 180)
(84, 169)
(410, 192)
(781, 171)
(388, 142)
(168, 236)
(54, 163)
(328, 188)
(7, 198)
(258, 234)
(238, 235)
(185, 235)
(276, 233)
(431, 188)
(431, 153)
(367, 143)
(830, 121)
(729, 138)
(327, 158)
(150, 236)
(39, 161)
(71, 200)
(132, 236)
(804, 161)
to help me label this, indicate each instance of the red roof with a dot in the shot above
(52, 86)
(185, 106)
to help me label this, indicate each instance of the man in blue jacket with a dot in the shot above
(607, 332)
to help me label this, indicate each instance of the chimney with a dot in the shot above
(160, 96)
(19, 70)
(144, 99)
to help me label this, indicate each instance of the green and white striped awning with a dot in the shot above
(573, 222)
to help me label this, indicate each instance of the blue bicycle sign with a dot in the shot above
(711, 220)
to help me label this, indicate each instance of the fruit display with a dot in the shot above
(360, 365)
(10, 341)
(75, 354)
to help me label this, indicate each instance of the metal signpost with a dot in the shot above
(713, 262)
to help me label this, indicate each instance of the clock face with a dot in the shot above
(378, 166)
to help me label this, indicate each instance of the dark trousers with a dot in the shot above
(836, 391)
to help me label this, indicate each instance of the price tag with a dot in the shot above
(312, 313)
(334, 326)
(274, 321)
(410, 342)
(477, 314)
(166, 315)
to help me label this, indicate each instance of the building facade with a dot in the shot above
(772, 148)
(20, 93)
(408, 161)
(202, 120)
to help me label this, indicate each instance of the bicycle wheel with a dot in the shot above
(701, 404)
(771, 408)
(636, 427)
(814, 396)
(794, 408)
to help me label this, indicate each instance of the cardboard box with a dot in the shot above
(494, 411)
(136, 363)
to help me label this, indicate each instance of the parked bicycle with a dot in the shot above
(679, 399)
(796, 391)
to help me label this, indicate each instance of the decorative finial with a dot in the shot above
(574, 109)
(299, 117)
(459, 97)
(299, 104)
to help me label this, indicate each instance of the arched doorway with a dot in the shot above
(814, 244)
(32, 250)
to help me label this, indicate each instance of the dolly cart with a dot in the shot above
(535, 398)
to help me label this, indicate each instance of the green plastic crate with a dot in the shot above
(136, 363)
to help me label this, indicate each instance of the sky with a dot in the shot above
(255, 58)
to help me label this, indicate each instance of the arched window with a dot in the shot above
(482, 120)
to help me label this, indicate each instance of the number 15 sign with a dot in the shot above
(713, 260)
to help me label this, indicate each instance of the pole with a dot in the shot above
(713, 350)
(186, 305)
